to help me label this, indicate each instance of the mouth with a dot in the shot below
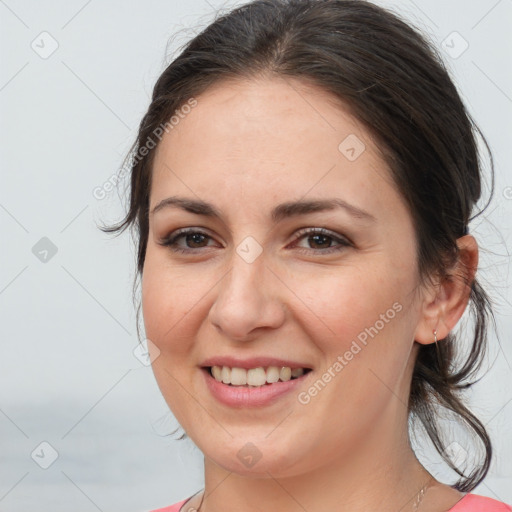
(254, 377)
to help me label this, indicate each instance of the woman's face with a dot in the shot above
(256, 284)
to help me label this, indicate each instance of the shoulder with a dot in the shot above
(172, 508)
(476, 503)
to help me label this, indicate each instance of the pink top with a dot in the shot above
(468, 503)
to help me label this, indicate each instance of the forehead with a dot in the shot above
(270, 136)
(270, 115)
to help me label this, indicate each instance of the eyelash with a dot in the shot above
(171, 240)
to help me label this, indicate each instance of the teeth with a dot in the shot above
(297, 372)
(254, 377)
(217, 373)
(272, 374)
(226, 375)
(285, 373)
(239, 377)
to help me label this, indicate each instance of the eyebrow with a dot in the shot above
(280, 212)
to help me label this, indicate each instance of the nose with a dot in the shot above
(249, 300)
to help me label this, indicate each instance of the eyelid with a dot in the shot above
(322, 231)
(174, 235)
(343, 242)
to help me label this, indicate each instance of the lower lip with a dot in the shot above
(242, 396)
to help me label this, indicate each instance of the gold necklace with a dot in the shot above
(421, 493)
(417, 501)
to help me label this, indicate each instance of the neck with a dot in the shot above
(379, 473)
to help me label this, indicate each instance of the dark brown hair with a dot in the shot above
(396, 84)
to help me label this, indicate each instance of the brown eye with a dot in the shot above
(194, 240)
(321, 241)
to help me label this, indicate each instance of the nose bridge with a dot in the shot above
(246, 297)
(247, 276)
(246, 279)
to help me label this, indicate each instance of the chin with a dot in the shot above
(258, 458)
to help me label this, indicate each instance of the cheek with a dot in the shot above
(362, 315)
(362, 332)
(343, 302)
(169, 307)
(175, 304)
(167, 299)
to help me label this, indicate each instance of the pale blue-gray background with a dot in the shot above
(68, 375)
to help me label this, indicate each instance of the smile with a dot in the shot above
(255, 377)
(263, 385)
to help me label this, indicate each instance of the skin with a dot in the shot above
(247, 146)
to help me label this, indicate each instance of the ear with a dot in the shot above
(445, 302)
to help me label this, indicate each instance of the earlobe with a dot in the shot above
(445, 302)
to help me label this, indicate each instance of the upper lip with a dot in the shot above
(252, 362)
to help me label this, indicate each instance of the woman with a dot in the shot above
(301, 189)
